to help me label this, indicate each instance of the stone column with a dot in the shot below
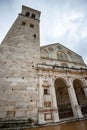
(74, 103)
(40, 110)
(54, 102)
(85, 90)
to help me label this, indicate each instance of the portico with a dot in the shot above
(61, 95)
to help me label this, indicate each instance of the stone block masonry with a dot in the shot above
(19, 55)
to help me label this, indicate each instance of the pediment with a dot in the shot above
(59, 52)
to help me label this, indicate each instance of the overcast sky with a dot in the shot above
(62, 21)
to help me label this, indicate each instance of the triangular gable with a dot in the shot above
(60, 45)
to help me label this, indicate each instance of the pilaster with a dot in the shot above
(85, 90)
(54, 103)
(40, 109)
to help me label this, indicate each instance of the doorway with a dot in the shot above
(81, 98)
(62, 97)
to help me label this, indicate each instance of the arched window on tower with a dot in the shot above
(27, 14)
(33, 16)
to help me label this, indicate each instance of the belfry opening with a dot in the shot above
(62, 97)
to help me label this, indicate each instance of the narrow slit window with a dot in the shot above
(32, 25)
(34, 35)
(45, 91)
(23, 23)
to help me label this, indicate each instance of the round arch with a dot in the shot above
(27, 14)
(80, 94)
(62, 97)
(80, 81)
(62, 79)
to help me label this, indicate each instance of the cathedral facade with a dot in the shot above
(45, 84)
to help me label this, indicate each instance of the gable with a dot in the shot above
(60, 53)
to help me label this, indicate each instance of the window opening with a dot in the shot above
(27, 14)
(32, 25)
(33, 16)
(45, 91)
(34, 35)
(23, 23)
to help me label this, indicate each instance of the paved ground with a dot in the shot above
(75, 125)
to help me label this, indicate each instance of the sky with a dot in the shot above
(61, 21)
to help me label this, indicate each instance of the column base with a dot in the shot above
(77, 107)
(46, 115)
(55, 115)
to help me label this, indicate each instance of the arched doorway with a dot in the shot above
(63, 101)
(81, 98)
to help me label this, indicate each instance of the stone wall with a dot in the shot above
(19, 55)
(58, 54)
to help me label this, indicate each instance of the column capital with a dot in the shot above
(40, 109)
(55, 108)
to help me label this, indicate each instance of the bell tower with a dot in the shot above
(25, 33)
(30, 19)
(19, 56)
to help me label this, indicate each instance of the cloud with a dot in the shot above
(68, 27)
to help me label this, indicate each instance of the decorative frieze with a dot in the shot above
(47, 104)
(45, 84)
(48, 116)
